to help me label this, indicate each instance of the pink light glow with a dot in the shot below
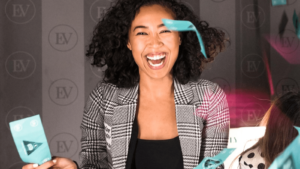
(288, 46)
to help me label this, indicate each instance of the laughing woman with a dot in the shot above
(152, 110)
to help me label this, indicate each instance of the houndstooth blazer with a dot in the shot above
(202, 121)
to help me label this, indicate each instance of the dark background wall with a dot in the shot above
(43, 69)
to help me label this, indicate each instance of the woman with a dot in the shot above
(151, 111)
(280, 120)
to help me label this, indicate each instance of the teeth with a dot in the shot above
(155, 65)
(156, 57)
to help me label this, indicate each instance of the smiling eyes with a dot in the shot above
(144, 33)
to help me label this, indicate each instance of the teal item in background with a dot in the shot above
(296, 24)
(181, 26)
(278, 2)
(30, 140)
(290, 157)
(214, 162)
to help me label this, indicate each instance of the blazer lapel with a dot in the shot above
(188, 125)
(123, 118)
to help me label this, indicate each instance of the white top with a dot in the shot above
(253, 159)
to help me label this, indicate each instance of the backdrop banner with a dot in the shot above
(44, 70)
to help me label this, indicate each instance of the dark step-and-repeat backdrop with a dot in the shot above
(43, 69)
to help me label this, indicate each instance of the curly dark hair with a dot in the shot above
(109, 43)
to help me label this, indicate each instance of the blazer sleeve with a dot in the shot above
(93, 153)
(216, 124)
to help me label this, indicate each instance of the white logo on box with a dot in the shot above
(18, 127)
(34, 123)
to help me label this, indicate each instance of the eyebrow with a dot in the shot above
(161, 25)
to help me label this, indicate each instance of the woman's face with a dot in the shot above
(154, 47)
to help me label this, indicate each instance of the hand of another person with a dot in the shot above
(56, 163)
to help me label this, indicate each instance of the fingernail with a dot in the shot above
(35, 165)
(54, 161)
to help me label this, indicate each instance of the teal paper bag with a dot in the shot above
(30, 140)
(214, 162)
(290, 157)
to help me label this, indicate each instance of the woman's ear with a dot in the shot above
(129, 45)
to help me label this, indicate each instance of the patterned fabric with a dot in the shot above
(202, 121)
(253, 159)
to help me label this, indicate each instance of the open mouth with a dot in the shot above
(156, 60)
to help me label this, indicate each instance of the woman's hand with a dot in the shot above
(56, 163)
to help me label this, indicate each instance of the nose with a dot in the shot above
(155, 41)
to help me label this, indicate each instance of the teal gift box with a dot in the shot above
(30, 140)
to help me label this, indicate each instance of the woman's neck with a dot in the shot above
(156, 88)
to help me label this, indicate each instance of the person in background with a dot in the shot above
(279, 120)
(151, 110)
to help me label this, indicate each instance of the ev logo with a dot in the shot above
(18, 113)
(251, 114)
(64, 145)
(252, 19)
(286, 85)
(223, 84)
(63, 92)
(253, 66)
(63, 38)
(232, 140)
(288, 42)
(98, 9)
(20, 11)
(20, 65)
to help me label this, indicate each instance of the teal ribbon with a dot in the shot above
(296, 24)
(290, 157)
(214, 162)
(278, 2)
(181, 26)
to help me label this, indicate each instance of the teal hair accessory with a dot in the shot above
(181, 26)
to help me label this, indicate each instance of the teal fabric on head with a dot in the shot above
(214, 162)
(181, 26)
(290, 157)
(30, 140)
